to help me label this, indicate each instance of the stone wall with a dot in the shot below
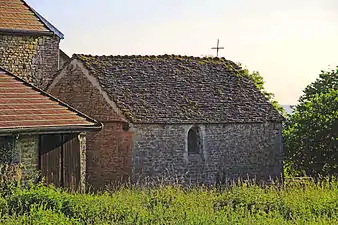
(7, 149)
(34, 58)
(21, 149)
(228, 151)
(27, 146)
(83, 149)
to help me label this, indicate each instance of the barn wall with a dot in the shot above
(27, 148)
(7, 149)
(21, 149)
(34, 58)
(229, 151)
(109, 150)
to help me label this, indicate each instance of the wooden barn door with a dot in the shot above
(71, 161)
(50, 158)
(60, 160)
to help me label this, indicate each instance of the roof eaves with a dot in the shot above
(46, 130)
(276, 120)
(26, 32)
(45, 22)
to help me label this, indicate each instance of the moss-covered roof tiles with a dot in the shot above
(179, 89)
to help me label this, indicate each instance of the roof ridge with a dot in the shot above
(203, 60)
(152, 56)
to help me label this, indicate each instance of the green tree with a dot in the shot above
(311, 132)
(259, 82)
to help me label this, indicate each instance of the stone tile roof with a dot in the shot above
(22, 106)
(179, 89)
(17, 15)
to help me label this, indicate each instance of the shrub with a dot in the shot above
(242, 203)
(311, 132)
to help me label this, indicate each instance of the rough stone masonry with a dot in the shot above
(33, 57)
(228, 151)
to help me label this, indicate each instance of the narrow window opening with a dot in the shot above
(194, 141)
(126, 126)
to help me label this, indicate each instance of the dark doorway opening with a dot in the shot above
(59, 160)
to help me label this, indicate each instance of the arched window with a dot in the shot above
(194, 141)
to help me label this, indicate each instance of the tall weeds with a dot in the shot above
(243, 202)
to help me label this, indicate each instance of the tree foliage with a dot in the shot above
(259, 82)
(311, 132)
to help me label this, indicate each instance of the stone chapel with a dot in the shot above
(195, 119)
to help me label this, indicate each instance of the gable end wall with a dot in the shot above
(109, 150)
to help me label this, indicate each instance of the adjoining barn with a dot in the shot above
(189, 117)
(42, 133)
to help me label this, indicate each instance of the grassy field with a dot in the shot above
(292, 203)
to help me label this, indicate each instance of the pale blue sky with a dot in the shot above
(288, 41)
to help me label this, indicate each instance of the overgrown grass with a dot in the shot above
(242, 203)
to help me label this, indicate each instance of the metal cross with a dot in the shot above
(217, 48)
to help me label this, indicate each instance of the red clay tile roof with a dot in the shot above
(16, 15)
(24, 106)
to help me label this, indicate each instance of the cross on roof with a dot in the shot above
(217, 48)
